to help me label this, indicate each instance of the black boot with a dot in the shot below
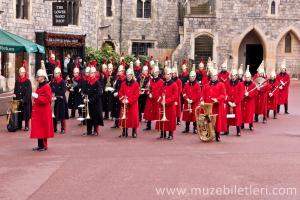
(268, 113)
(251, 127)
(278, 108)
(178, 121)
(195, 127)
(123, 133)
(161, 135)
(238, 131)
(187, 127)
(55, 125)
(275, 114)
(148, 127)
(286, 109)
(134, 134)
(242, 126)
(62, 130)
(26, 125)
(116, 125)
(264, 120)
(217, 136)
(165, 134)
(73, 113)
(170, 135)
(256, 118)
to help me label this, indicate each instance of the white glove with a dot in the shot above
(150, 96)
(214, 100)
(34, 95)
(233, 104)
(106, 89)
(115, 94)
(125, 101)
(246, 94)
(111, 89)
(202, 103)
(280, 87)
(270, 94)
(258, 88)
(85, 100)
(190, 101)
(53, 98)
(14, 95)
(176, 103)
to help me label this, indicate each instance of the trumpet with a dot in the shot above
(124, 117)
(164, 117)
(86, 98)
(52, 106)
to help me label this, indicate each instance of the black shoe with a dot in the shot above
(26, 129)
(238, 134)
(226, 133)
(95, 133)
(256, 118)
(264, 121)
(195, 131)
(36, 148)
(134, 135)
(186, 131)
(147, 129)
(114, 126)
(217, 138)
(42, 149)
(72, 116)
(170, 137)
(105, 118)
(55, 130)
(251, 127)
(178, 123)
(62, 131)
(286, 112)
(242, 126)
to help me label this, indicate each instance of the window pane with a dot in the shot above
(139, 9)
(108, 8)
(70, 11)
(288, 43)
(147, 11)
(75, 13)
(18, 9)
(273, 8)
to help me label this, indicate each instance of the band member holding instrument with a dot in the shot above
(143, 81)
(93, 101)
(235, 94)
(273, 90)
(22, 91)
(283, 97)
(179, 86)
(58, 87)
(215, 92)
(191, 94)
(108, 81)
(154, 91)
(184, 76)
(75, 97)
(129, 95)
(262, 96)
(42, 123)
(248, 103)
(137, 68)
(202, 75)
(167, 99)
(224, 75)
(241, 73)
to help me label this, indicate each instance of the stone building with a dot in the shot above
(242, 31)
(32, 19)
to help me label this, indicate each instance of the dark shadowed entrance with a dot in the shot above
(254, 56)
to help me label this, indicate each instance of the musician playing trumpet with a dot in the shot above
(128, 96)
(22, 92)
(167, 99)
(75, 95)
(191, 95)
(273, 91)
(93, 102)
(58, 87)
(284, 79)
(262, 96)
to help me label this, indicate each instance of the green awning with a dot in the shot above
(11, 43)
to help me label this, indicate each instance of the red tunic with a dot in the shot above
(41, 120)
(130, 90)
(223, 76)
(248, 103)
(170, 90)
(261, 101)
(217, 90)
(178, 106)
(272, 88)
(191, 91)
(152, 106)
(235, 92)
(202, 74)
(283, 96)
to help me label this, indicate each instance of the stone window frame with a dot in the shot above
(143, 9)
(288, 43)
(153, 42)
(270, 2)
(29, 11)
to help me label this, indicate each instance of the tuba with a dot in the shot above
(205, 122)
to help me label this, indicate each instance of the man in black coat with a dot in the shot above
(58, 87)
(94, 91)
(22, 91)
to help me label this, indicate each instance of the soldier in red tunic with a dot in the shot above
(179, 85)
(273, 91)
(41, 123)
(191, 95)
(223, 75)
(154, 91)
(128, 96)
(261, 100)
(235, 93)
(283, 97)
(202, 75)
(215, 92)
(167, 99)
(248, 103)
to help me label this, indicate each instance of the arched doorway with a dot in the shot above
(203, 48)
(251, 51)
(108, 43)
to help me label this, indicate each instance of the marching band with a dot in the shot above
(211, 101)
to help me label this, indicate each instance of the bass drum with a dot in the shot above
(12, 125)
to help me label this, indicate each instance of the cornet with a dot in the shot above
(164, 117)
(86, 100)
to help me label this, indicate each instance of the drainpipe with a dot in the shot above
(121, 23)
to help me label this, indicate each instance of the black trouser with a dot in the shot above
(42, 143)
(62, 122)
(163, 134)
(90, 126)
